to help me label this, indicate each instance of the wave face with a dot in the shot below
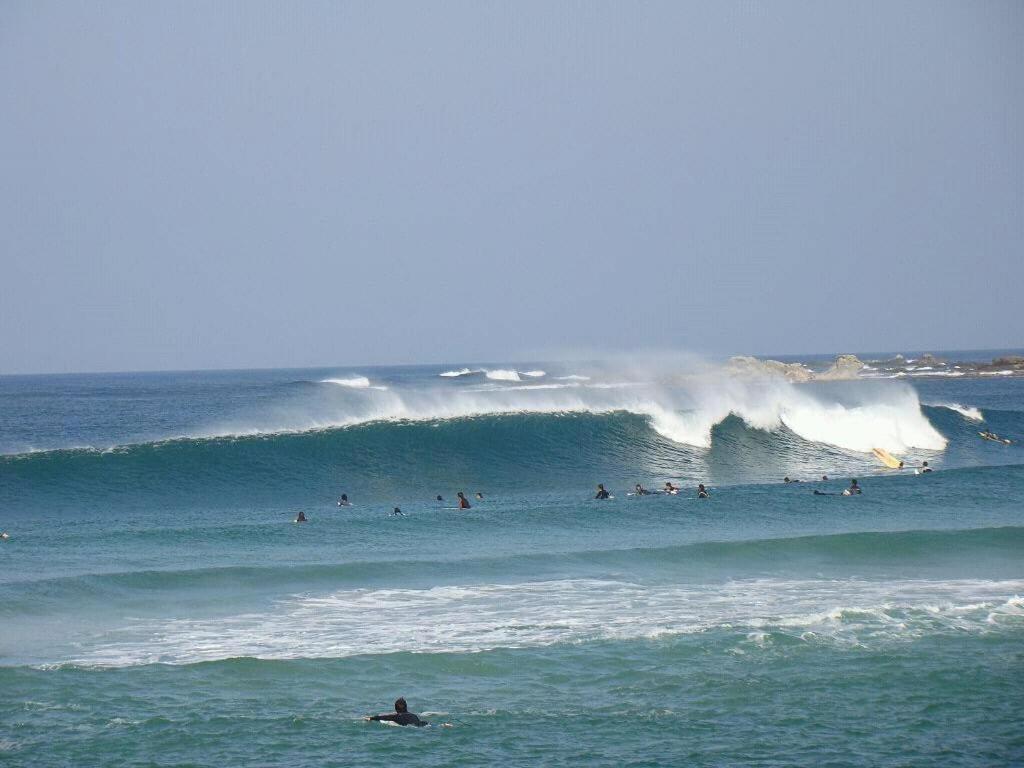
(386, 436)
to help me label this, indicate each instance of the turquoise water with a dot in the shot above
(159, 607)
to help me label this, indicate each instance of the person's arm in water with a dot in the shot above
(402, 718)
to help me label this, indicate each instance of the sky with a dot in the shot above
(191, 185)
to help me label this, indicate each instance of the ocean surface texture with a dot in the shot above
(159, 606)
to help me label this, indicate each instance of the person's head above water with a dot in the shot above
(461, 495)
(853, 482)
(925, 464)
(600, 486)
(439, 497)
(400, 705)
(479, 495)
(344, 497)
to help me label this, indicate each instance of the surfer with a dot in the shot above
(301, 517)
(463, 501)
(343, 501)
(401, 716)
(479, 496)
(702, 492)
(988, 434)
(439, 498)
(396, 512)
(925, 467)
(601, 492)
(787, 480)
(853, 490)
(669, 488)
(824, 478)
(4, 536)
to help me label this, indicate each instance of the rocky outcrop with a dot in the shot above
(844, 367)
(1010, 361)
(752, 366)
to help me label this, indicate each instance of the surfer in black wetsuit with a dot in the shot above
(396, 512)
(925, 467)
(702, 492)
(853, 490)
(601, 492)
(669, 488)
(343, 501)
(463, 501)
(639, 490)
(301, 518)
(401, 716)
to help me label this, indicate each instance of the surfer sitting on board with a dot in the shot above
(639, 490)
(853, 490)
(401, 716)
(463, 501)
(702, 492)
(669, 488)
(301, 517)
(601, 492)
(925, 467)
(343, 501)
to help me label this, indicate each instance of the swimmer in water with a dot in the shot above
(401, 716)
(439, 497)
(301, 517)
(343, 501)
(601, 492)
(463, 501)
(853, 490)
(824, 477)
(925, 467)
(639, 490)
(669, 488)
(702, 492)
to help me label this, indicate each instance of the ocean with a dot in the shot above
(159, 606)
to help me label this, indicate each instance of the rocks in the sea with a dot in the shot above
(745, 365)
(844, 367)
(929, 359)
(1009, 361)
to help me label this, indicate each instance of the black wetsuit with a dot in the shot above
(402, 718)
(602, 494)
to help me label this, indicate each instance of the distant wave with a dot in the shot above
(534, 374)
(967, 411)
(356, 382)
(460, 372)
(502, 374)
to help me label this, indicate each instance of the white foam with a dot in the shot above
(967, 411)
(502, 374)
(467, 618)
(356, 382)
(573, 377)
(855, 415)
(460, 372)
(535, 374)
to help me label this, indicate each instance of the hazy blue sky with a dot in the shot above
(214, 184)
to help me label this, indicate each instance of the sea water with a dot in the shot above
(158, 606)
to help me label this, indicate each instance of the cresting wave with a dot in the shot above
(853, 416)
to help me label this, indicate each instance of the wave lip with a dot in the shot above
(356, 382)
(503, 374)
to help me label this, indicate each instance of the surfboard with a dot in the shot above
(886, 458)
(994, 438)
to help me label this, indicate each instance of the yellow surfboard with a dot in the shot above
(886, 458)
